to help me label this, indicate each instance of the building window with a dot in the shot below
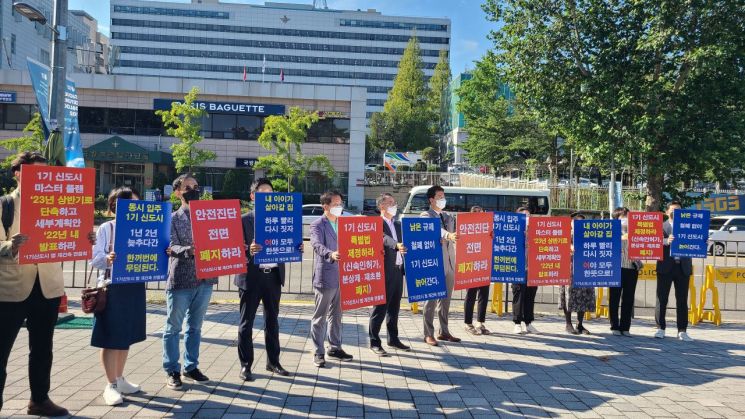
(12, 43)
(44, 56)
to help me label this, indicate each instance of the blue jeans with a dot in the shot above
(190, 303)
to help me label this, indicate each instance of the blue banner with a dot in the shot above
(508, 248)
(278, 227)
(691, 231)
(425, 272)
(597, 253)
(40, 75)
(142, 235)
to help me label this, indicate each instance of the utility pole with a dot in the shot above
(58, 82)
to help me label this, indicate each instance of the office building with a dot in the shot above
(273, 42)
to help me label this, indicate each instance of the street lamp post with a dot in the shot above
(57, 82)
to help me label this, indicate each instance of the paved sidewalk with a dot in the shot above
(546, 375)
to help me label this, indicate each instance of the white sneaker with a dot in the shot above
(125, 387)
(660, 334)
(684, 337)
(112, 396)
(531, 329)
(518, 329)
(626, 333)
(617, 333)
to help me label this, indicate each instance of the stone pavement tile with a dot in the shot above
(658, 412)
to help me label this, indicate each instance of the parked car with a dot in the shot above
(312, 212)
(371, 167)
(370, 207)
(727, 235)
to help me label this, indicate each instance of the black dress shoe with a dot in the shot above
(277, 369)
(245, 374)
(46, 408)
(400, 346)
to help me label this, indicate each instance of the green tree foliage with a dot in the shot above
(658, 80)
(182, 122)
(438, 94)
(34, 141)
(502, 133)
(284, 135)
(405, 121)
(429, 154)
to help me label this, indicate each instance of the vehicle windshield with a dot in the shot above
(716, 223)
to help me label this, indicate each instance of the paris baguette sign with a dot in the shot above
(225, 107)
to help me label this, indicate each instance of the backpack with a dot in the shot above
(8, 207)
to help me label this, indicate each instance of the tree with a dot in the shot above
(182, 122)
(405, 122)
(429, 154)
(502, 133)
(438, 94)
(32, 142)
(284, 136)
(658, 80)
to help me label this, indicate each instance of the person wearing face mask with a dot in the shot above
(186, 296)
(437, 204)
(623, 296)
(394, 279)
(327, 312)
(470, 302)
(523, 299)
(672, 271)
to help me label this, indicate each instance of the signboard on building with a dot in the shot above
(259, 109)
(7, 97)
(245, 163)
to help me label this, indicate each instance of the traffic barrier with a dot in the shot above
(601, 310)
(414, 308)
(497, 299)
(714, 274)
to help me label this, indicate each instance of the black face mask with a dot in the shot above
(191, 195)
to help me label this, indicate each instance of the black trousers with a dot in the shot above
(523, 303)
(680, 281)
(623, 296)
(40, 314)
(267, 289)
(394, 288)
(483, 294)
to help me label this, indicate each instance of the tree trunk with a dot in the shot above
(654, 190)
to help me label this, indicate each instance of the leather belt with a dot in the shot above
(267, 270)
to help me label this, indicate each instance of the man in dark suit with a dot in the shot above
(261, 283)
(437, 203)
(327, 312)
(394, 279)
(672, 271)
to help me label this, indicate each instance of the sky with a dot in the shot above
(469, 25)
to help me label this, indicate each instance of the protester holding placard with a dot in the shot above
(186, 296)
(623, 296)
(262, 283)
(523, 298)
(470, 302)
(393, 262)
(31, 293)
(672, 271)
(575, 299)
(327, 312)
(122, 322)
(437, 204)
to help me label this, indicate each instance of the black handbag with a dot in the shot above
(93, 299)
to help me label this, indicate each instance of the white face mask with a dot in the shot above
(336, 211)
(441, 203)
(391, 210)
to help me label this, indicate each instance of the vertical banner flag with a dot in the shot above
(549, 251)
(361, 269)
(40, 75)
(278, 227)
(219, 248)
(691, 231)
(597, 253)
(141, 237)
(56, 213)
(425, 272)
(645, 236)
(473, 250)
(508, 251)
